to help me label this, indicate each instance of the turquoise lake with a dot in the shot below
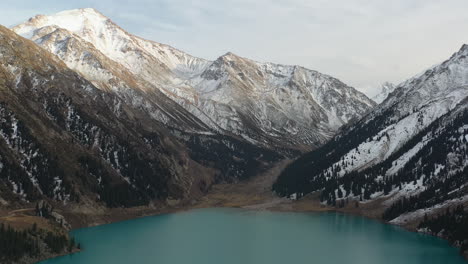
(235, 236)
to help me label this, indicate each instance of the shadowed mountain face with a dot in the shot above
(268, 105)
(414, 144)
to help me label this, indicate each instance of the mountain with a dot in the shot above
(269, 105)
(109, 118)
(74, 150)
(411, 151)
(387, 88)
(65, 140)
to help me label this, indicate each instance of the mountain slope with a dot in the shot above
(65, 140)
(275, 101)
(111, 76)
(270, 105)
(414, 141)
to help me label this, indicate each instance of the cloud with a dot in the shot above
(362, 42)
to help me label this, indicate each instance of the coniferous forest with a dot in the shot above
(426, 168)
(452, 225)
(31, 243)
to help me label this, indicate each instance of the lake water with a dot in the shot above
(235, 236)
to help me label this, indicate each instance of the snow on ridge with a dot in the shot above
(386, 89)
(73, 20)
(415, 104)
(279, 99)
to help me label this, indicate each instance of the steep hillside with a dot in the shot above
(77, 152)
(278, 103)
(65, 140)
(414, 143)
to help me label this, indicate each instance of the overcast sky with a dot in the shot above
(362, 42)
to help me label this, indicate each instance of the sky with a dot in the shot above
(364, 43)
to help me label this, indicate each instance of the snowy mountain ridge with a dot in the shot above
(385, 91)
(413, 142)
(264, 103)
(417, 103)
(94, 141)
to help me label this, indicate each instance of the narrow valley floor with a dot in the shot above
(254, 194)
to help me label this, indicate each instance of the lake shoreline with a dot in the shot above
(252, 194)
(311, 204)
(295, 210)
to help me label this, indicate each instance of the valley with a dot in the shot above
(98, 126)
(253, 195)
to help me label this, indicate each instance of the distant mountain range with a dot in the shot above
(271, 105)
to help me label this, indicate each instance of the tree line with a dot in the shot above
(31, 242)
(451, 224)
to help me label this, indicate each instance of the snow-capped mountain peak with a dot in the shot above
(264, 103)
(110, 39)
(76, 20)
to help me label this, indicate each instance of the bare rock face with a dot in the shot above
(269, 105)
